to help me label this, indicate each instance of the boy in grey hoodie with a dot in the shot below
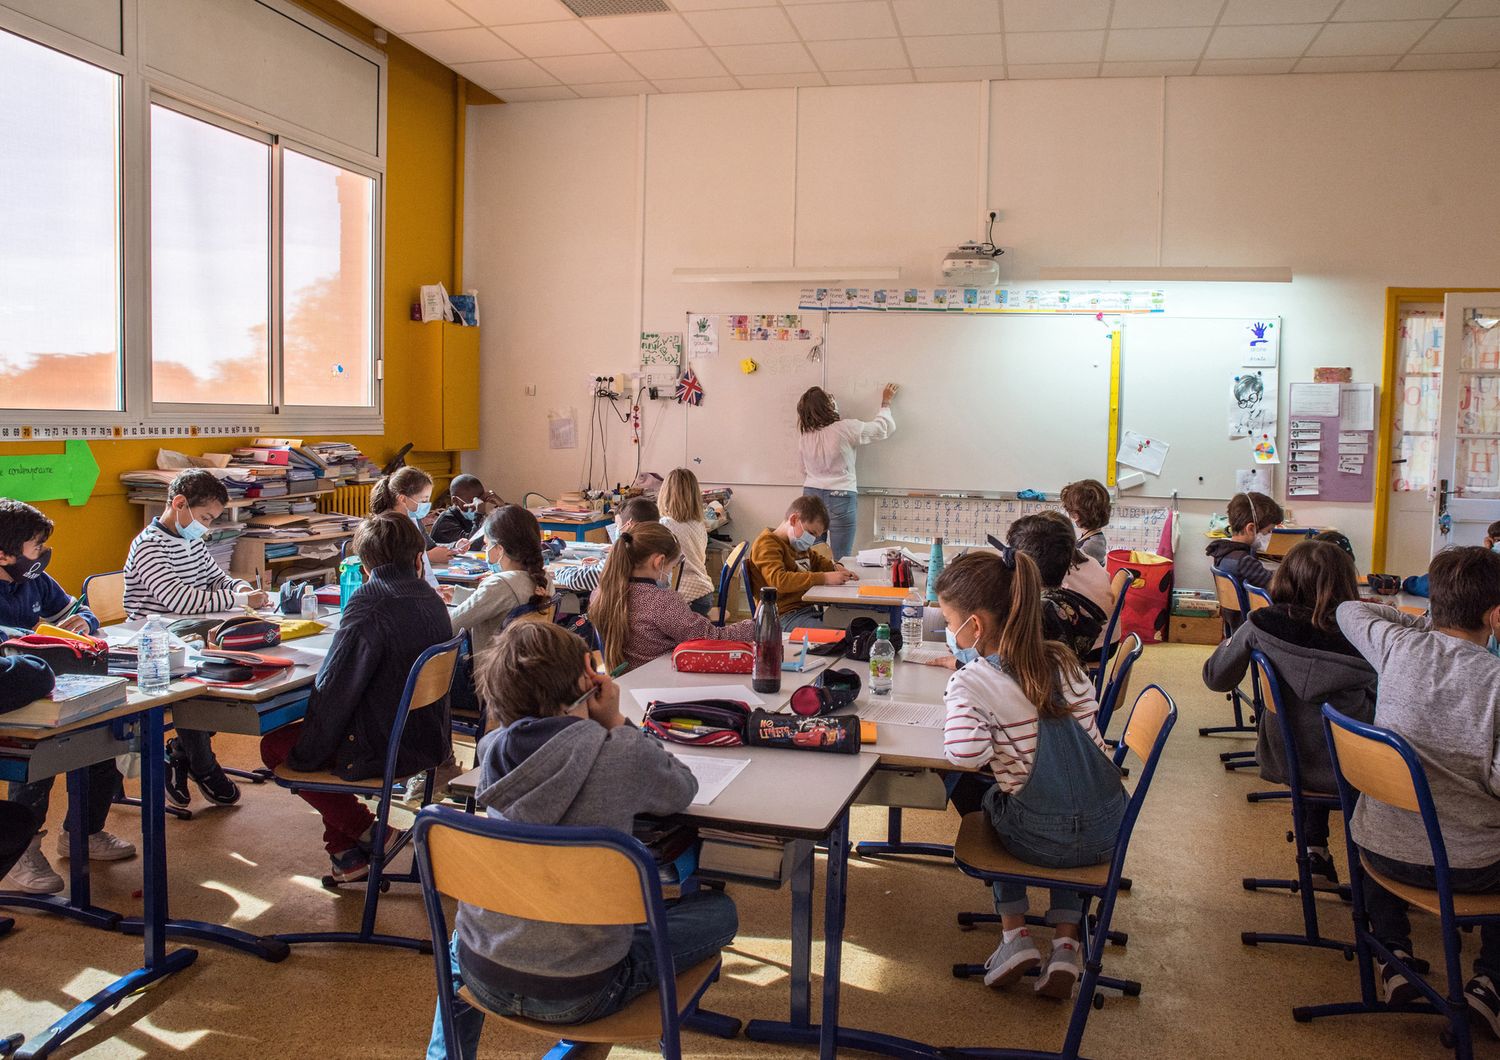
(567, 756)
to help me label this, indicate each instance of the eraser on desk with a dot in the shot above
(867, 730)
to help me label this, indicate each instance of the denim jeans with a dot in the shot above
(17, 825)
(698, 926)
(1388, 920)
(104, 782)
(843, 518)
(803, 616)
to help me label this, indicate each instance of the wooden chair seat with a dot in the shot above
(638, 1021)
(373, 785)
(978, 847)
(1426, 899)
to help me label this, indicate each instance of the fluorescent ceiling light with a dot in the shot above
(1214, 273)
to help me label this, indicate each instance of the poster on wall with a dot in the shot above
(1252, 402)
(703, 336)
(1262, 344)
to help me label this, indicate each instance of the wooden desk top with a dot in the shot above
(136, 701)
(848, 593)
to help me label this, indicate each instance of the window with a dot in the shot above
(327, 280)
(210, 263)
(61, 311)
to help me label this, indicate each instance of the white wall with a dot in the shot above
(578, 211)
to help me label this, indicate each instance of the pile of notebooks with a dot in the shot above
(74, 698)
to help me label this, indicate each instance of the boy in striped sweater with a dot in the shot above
(169, 572)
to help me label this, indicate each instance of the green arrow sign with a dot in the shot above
(69, 475)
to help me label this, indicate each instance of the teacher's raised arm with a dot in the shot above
(827, 445)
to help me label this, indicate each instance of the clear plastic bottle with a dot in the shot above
(768, 650)
(911, 622)
(154, 657)
(882, 661)
(309, 601)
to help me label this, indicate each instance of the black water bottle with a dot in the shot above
(767, 675)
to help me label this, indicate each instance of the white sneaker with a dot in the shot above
(1064, 968)
(1011, 960)
(103, 846)
(32, 873)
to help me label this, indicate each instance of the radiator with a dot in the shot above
(347, 500)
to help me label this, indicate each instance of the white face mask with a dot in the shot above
(1263, 541)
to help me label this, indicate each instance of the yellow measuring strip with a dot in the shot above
(1114, 407)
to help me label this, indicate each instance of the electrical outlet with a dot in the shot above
(531, 390)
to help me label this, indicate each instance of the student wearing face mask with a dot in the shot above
(783, 559)
(169, 571)
(513, 549)
(1021, 705)
(459, 525)
(391, 620)
(408, 491)
(1252, 517)
(826, 445)
(635, 610)
(583, 578)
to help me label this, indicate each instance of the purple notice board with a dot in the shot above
(1325, 463)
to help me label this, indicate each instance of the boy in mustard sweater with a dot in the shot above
(781, 559)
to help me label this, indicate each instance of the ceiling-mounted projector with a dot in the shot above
(973, 265)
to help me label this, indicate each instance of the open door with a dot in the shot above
(1467, 495)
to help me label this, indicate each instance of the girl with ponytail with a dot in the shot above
(513, 542)
(638, 615)
(1021, 705)
(408, 491)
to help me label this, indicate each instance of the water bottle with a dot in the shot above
(767, 674)
(934, 568)
(154, 657)
(351, 577)
(309, 601)
(882, 661)
(911, 621)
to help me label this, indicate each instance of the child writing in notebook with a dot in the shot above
(635, 611)
(1252, 517)
(681, 501)
(563, 754)
(1087, 505)
(513, 542)
(469, 505)
(1020, 705)
(408, 491)
(169, 571)
(783, 559)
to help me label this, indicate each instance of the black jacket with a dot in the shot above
(454, 525)
(393, 618)
(23, 679)
(1239, 559)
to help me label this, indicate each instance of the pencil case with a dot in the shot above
(838, 734)
(713, 657)
(706, 723)
(65, 655)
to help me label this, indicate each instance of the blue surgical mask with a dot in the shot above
(1495, 547)
(804, 541)
(1493, 646)
(494, 567)
(963, 655)
(191, 530)
(423, 507)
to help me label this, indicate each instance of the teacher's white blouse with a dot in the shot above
(828, 453)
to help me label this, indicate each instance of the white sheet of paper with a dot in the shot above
(895, 712)
(713, 773)
(1254, 478)
(1138, 451)
(691, 693)
(925, 656)
(1357, 407)
(1315, 399)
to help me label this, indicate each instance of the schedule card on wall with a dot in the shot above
(1330, 442)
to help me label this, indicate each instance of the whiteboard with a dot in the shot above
(1176, 377)
(745, 432)
(988, 402)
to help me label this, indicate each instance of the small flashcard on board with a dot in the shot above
(1260, 479)
(1262, 344)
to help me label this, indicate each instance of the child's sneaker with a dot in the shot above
(1064, 968)
(1320, 867)
(102, 846)
(178, 793)
(350, 866)
(217, 787)
(1484, 1003)
(31, 873)
(1011, 960)
(1394, 984)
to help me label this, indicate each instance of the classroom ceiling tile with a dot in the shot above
(537, 95)
(510, 12)
(1155, 45)
(578, 70)
(1246, 66)
(869, 77)
(1063, 46)
(512, 73)
(537, 39)
(1176, 68)
(696, 84)
(1260, 42)
(675, 63)
(962, 73)
(978, 49)
(846, 21)
(936, 18)
(1027, 16)
(1476, 9)
(615, 88)
(1450, 61)
(1367, 38)
(882, 53)
(412, 16)
(634, 32)
(765, 59)
(751, 25)
(811, 79)
(1039, 71)
(1157, 14)
(1379, 10)
(1343, 64)
(718, 5)
(1462, 35)
(1270, 12)
(462, 45)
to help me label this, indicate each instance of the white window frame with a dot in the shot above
(141, 86)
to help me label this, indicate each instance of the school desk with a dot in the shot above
(847, 595)
(32, 754)
(586, 530)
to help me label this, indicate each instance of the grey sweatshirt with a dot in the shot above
(582, 774)
(1441, 694)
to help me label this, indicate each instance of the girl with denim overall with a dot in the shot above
(1020, 705)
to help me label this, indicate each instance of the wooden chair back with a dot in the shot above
(1146, 720)
(105, 596)
(1259, 597)
(1118, 584)
(433, 680)
(1227, 591)
(1374, 769)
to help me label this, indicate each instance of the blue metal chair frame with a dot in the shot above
(1235, 759)
(1258, 592)
(726, 581)
(378, 879)
(1106, 894)
(1109, 647)
(562, 836)
(1117, 682)
(1302, 886)
(748, 583)
(1457, 1036)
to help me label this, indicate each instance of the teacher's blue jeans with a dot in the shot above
(843, 517)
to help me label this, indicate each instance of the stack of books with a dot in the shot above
(740, 856)
(74, 698)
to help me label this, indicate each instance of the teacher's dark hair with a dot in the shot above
(815, 410)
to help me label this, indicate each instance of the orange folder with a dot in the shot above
(816, 636)
(884, 592)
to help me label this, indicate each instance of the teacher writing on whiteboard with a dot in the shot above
(827, 448)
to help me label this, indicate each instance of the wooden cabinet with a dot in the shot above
(447, 387)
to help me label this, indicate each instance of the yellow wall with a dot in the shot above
(419, 236)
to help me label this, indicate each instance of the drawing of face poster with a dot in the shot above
(1252, 402)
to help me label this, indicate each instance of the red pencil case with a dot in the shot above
(713, 657)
